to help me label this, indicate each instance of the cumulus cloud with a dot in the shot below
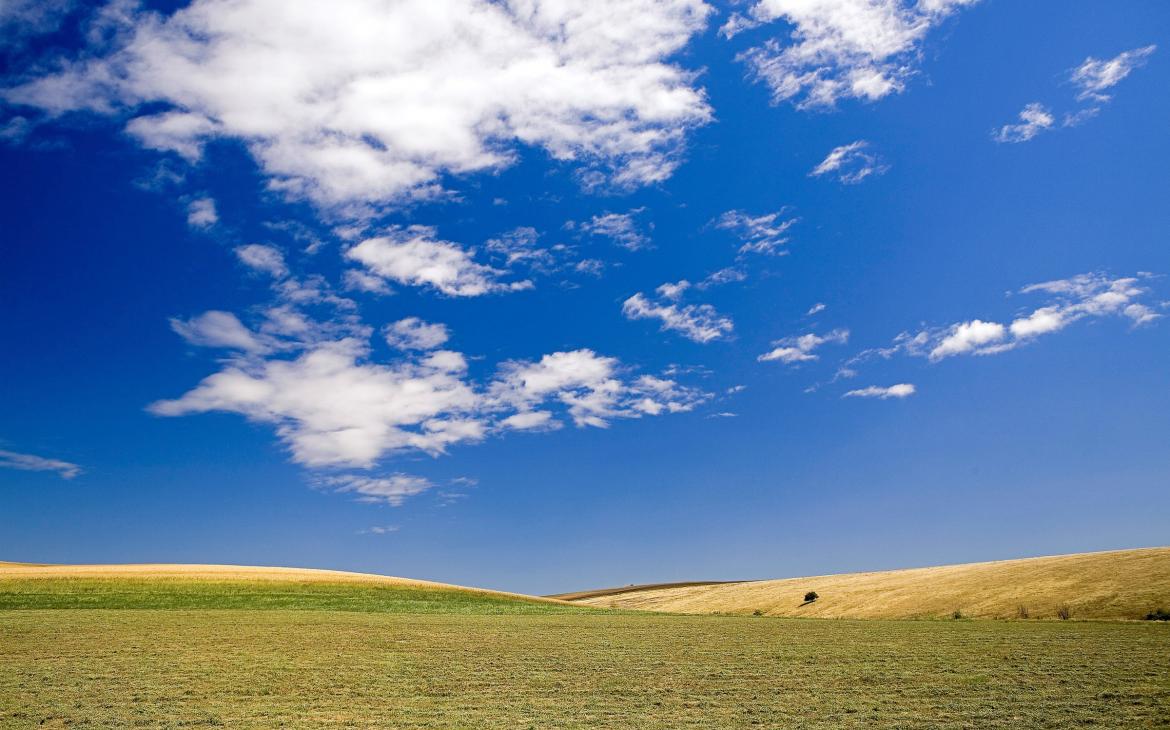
(201, 213)
(815, 309)
(31, 462)
(622, 229)
(414, 334)
(265, 259)
(764, 234)
(839, 49)
(333, 406)
(1034, 119)
(415, 256)
(966, 337)
(366, 102)
(1094, 76)
(850, 163)
(590, 386)
(697, 322)
(795, 350)
(900, 390)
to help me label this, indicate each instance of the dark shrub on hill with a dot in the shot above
(810, 596)
(1160, 614)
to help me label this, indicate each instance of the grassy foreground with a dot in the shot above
(183, 646)
(302, 668)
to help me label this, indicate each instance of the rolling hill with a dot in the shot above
(158, 586)
(1123, 584)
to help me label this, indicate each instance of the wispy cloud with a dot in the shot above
(262, 258)
(623, 229)
(802, 348)
(393, 489)
(415, 256)
(839, 49)
(900, 390)
(763, 234)
(379, 530)
(1094, 76)
(1034, 119)
(31, 462)
(1092, 79)
(697, 322)
(201, 213)
(851, 163)
(1075, 299)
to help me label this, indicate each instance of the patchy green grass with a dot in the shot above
(359, 668)
(179, 593)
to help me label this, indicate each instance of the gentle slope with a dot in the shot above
(27, 586)
(1123, 584)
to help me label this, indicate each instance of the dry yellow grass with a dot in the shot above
(1123, 584)
(226, 573)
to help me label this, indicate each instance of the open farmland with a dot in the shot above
(1121, 584)
(150, 648)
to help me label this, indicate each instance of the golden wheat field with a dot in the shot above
(1123, 584)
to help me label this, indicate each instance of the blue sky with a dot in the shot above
(510, 295)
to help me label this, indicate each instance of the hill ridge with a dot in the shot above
(1109, 584)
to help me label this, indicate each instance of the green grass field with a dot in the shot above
(171, 593)
(124, 653)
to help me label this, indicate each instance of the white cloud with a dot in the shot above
(265, 259)
(697, 322)
(840, 49)
(201, 213)
(416, 257)
(728, 275)
(763, 234)
(673, 291)
(221, 330)
(1034, 119)
(965, 337)
(1077, 298)
(850, 163)
(1093, 77)
(379, 530)
(530, 421)
(21, 20)
(30, 462)
(392, 490)
(367, 101)
(793, 350)
(621, 228)
(333, 406)
(357, 280)
(590, 387)
(414, 334)
(815, 309)
(901, 390)
(520, 246)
